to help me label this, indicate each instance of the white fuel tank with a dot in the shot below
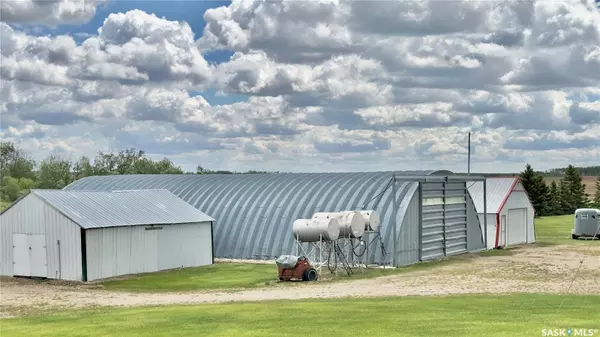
(352, 223)
(312, 230)
(372, 220)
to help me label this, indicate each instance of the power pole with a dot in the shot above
(469, 156)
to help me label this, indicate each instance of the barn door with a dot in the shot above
(29, 255)
(21, 260)
(517, 226)
(38, 264)
(444, 219)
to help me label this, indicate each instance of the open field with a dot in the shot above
(589, 181)
(556, 230)
(525, 286)
(513, 315)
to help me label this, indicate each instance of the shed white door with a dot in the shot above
(37, 242)
(517, 226)
(29, 251)
(502, 239)
(21, 266)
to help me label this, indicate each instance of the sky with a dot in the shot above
(305, 86)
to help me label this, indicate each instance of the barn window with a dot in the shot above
(455, 200)
(433, 201)
(153, 228)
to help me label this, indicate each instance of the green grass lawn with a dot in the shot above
(555, 230)
(217, 276)
(232, 276)
(514, 315)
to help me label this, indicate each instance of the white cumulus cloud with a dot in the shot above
(311, 85)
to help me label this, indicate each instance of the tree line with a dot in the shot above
(19, 173)
(559, 198)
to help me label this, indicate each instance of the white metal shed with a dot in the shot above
(510, 214)
(84, 235)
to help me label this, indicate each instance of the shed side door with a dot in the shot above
(21, 259)
(517, 226)
(38, 263)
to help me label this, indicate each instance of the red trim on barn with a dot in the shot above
(512, 187)
(497, 230)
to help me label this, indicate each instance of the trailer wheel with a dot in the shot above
(574, 237)
(310, 275)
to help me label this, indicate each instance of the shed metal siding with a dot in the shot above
(254, 212)
(33, 215)
(142, 249)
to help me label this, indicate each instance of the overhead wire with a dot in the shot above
(585, 254)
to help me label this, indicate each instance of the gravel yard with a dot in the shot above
(529, 269)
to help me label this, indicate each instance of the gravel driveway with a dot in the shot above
(529, 270)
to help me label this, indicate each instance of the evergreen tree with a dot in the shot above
(597, 194)
(566, 202)
(554, 204)
(576, 188)
(537, 190)
(545, 196)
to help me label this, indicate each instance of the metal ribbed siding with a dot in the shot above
(408, 238)
(475, 227)
(133, 249)
(444, 231)
(254, 212)
(32, 215)
(432, 235)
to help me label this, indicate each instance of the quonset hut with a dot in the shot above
(254, 212)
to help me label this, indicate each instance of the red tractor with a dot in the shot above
(295, 268)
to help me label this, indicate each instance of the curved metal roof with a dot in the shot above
(254, 212)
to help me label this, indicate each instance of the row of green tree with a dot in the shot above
(558, 199)
(19, 172)
(584, 171)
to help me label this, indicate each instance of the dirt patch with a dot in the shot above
(530, 269)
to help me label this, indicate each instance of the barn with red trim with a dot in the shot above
(510, 213)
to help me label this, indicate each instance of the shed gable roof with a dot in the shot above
(497, 190)
(100, 209)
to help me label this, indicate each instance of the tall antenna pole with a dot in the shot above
(469, 156)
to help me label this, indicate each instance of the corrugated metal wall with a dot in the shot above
(141, 249)
(254, 212)
(475, 227)
(408, 251)
(32, 215)
(450, 226)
